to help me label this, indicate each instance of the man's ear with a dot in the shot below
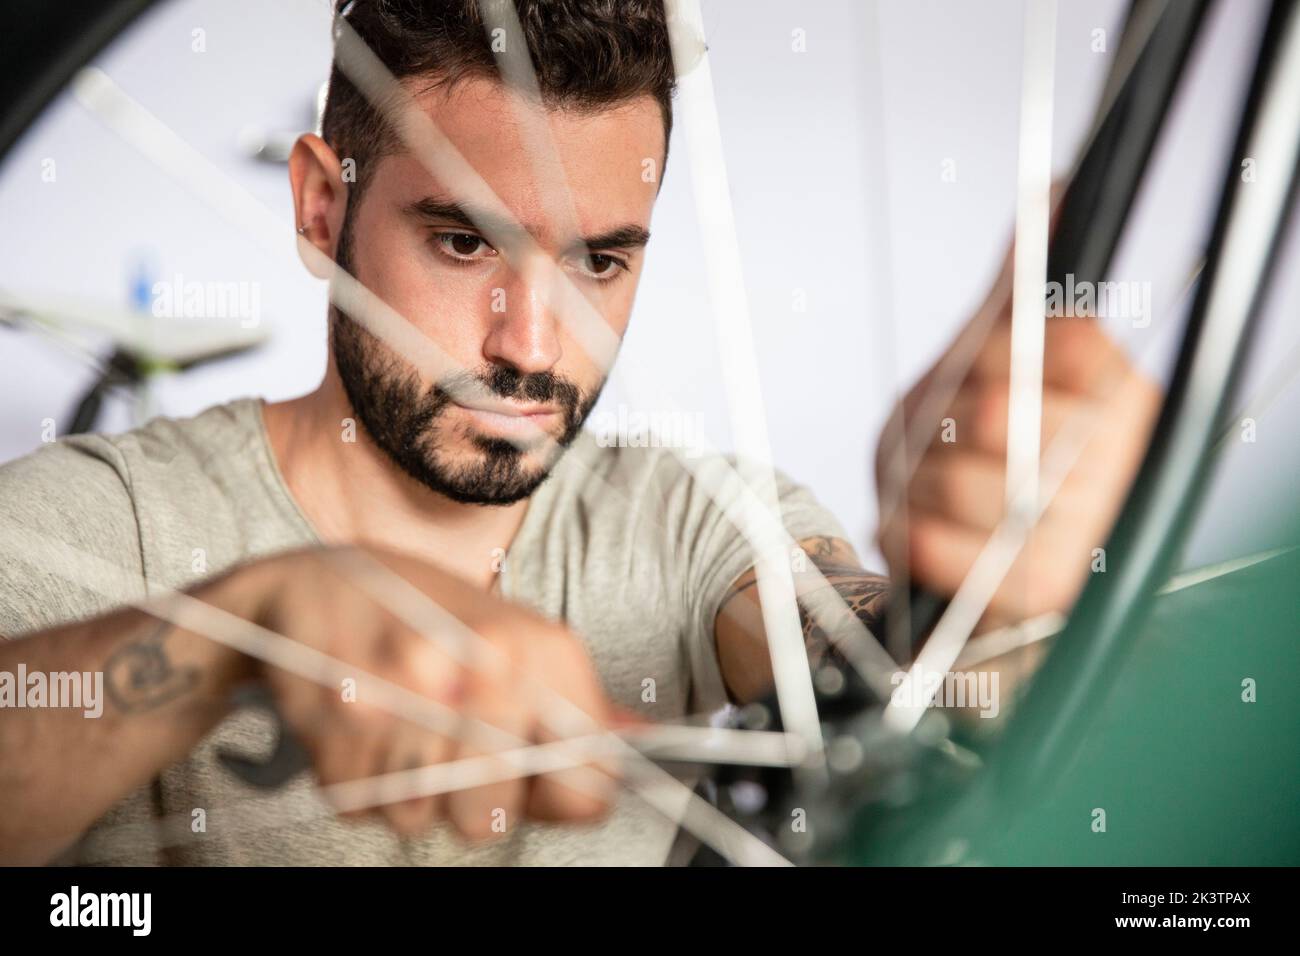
(320, 201)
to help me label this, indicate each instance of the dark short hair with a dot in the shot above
(588, 55)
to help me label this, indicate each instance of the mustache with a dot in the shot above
(502, 381)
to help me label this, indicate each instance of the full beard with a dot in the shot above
(407, 420)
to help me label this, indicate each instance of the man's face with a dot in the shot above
(490, 296)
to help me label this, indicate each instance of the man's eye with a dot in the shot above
(600, 266)
(463, 245)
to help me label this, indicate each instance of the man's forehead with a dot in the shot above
(508, 160)
(475, 102)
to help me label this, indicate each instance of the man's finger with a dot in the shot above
(964, 486)
(411, 749)
(488, 811)
(980, 411)
(1078, 356)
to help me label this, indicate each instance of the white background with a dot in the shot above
(835, 157)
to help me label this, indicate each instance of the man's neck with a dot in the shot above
(353, 493)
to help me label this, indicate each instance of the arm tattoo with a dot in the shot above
(139, 676)
(825, 620)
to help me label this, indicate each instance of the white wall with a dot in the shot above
(834, 156)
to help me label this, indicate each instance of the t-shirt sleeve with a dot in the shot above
(70, 550)
(69, 540)
(722, 522)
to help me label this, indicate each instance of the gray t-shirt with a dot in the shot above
(624, 544)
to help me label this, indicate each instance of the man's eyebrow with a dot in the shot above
(431, 208)
(630, 236)
(434, 209)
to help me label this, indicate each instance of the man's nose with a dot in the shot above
(524, 332)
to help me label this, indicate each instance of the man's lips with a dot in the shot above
(511, 409)
(509, 417)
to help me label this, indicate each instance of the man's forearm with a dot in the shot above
(163, 688)
(839, 603)
(851, 599)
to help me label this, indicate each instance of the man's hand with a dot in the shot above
(956, 495)
(167, 687)
(311, 598)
